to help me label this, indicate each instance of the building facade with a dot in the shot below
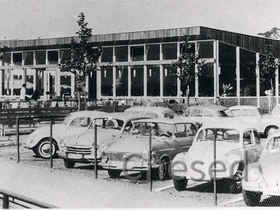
(136, 66)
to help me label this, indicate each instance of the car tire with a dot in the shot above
(235, 185)
(114, 173)
(43, 149)
(162, 172)
(69, 164)
(251, 198)
(180, 184)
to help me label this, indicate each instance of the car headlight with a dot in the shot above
(62, 144)
(253, 174)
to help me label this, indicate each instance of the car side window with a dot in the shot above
(208, 113)
(257, 137)
(197, 113)
(80, 122)
(274, 144)
(247, 138)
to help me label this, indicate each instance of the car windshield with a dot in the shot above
(220, 134)
(67, 119)
(143, 128)
(111, 123)
(221, 113)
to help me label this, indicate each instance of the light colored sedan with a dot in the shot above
(130, 153)
(75, 122)
(80, 147)
(263, 177)
(265, 124)
(153, 112)
(232, 140)
(205, 113)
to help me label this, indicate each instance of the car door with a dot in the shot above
(251, 146)
(184, 134)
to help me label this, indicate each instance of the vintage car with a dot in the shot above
(232, 143)
(276, 111)
(75, 122)
(263, 177)
(80, 147)
(265, 124)
(130, 153)
(205, 113)
(152, 111)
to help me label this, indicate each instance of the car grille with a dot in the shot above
(79, 150)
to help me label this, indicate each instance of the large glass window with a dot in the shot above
(169, 82)
(7, 59)
(206, 81)
(121, 81)
(65, 55)
(40, 57)
(53, 57)
(169, 51)
(28, 58)
(65, 85)
(153, 52)
(227, 76)
(17, 58)
(121, 53)
(137, 53)
(247, 73)
(107, 54)
(153, 80)
(107, 81)
(137, 81)
(206, 49)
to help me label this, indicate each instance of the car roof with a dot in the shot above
(275, 133)
(154, 109)
(168, 121)
(125, 116)
(242, 107)
(87, 113)
(228, 123)
(212, 107)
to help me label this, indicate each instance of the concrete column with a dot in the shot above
(145, 80)
(46, 82)
(161, 80)
(57, 82)
(12, 82)
(72, 85)
(129, 81)
(196, 72)
(114, 81)
(1, 79)
(215, 73)
(238, 74)
(277, 85)
(258, 89)
(178, 80)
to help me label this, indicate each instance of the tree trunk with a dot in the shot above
(187, 95)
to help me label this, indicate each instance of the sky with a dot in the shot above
(31, 19)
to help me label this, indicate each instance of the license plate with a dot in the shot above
(75, 156)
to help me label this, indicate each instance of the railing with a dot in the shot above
(24, 200)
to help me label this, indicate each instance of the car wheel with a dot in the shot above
(163, 170)
(270, 130)
(251, 198)
(43, 149)
(114, 173)
(69, 164)
(235, 185)
(180, 184)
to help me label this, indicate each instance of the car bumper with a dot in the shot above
(83, 158)
(135, 166)
(259, 187)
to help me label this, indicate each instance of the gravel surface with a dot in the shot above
(197, 194)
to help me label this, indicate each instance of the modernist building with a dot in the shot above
(136, 66)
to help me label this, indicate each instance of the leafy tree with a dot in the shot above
(273, 33)
(2, 52)
(187, 64)
(268, 64)
(84, 57)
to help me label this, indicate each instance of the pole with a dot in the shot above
(95, 150)
(51, 143)
(215, 181)
(17, 125)
(6, 202)
(150, 161)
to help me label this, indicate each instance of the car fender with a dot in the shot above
(38, 137)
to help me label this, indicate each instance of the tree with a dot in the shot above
(268, 65)
(187, 64)
(84, 57)
(273, 33)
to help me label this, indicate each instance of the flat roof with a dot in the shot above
(253, 43)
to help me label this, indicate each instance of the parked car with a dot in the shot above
(205, 113)
(276, 111)
(152, 112)
(130, 153)
(232, 140)
(80, 147)
(39, 140)
(262, 178)
(265, 124)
